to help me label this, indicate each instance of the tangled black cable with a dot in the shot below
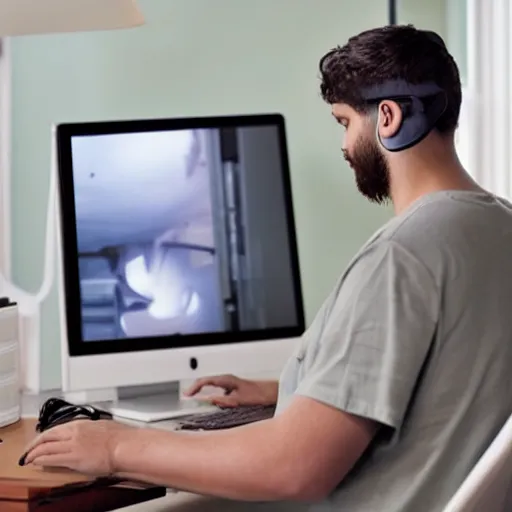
(56, 411)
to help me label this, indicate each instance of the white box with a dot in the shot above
(10, 392)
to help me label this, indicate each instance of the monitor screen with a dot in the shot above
(177, 232)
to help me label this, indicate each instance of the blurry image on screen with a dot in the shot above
(181, 232)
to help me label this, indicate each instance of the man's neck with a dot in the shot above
(416, 174)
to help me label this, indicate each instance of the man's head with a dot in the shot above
(400, 54)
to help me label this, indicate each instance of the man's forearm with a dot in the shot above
(219, 463)
(270, 389)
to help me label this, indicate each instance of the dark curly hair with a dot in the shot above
(387, 53)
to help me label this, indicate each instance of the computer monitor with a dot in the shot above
(179, 253)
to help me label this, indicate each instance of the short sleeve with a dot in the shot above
(377, 337)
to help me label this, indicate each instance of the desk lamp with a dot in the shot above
(21, 18)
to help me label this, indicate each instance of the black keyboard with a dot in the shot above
(227, 417)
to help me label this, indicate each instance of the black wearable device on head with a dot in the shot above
(421, 104)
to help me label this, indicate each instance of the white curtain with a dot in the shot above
(486, 122)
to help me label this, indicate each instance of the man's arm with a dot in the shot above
(300, 455)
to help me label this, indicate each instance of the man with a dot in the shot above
(403, 379)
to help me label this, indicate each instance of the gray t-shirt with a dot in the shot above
(417, 335)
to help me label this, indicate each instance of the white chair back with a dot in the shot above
(488, 487)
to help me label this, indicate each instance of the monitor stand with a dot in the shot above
(145, 404)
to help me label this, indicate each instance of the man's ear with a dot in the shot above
(389, 119)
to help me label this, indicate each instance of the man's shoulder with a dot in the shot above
(446, 227)
(445, 216)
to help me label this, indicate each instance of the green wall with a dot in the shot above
(423, 14)
(446, 17)
(456, 34)
(195, 58)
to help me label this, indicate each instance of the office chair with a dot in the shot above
(488, 487)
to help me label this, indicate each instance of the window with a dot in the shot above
(463, 133)
(487, 134)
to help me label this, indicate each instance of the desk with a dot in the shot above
(174, 501)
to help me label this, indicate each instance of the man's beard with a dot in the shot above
(371, 170)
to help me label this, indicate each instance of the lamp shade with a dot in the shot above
(23, 17)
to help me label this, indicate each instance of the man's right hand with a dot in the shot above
(237, 392)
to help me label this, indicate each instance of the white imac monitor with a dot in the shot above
(179, 255)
